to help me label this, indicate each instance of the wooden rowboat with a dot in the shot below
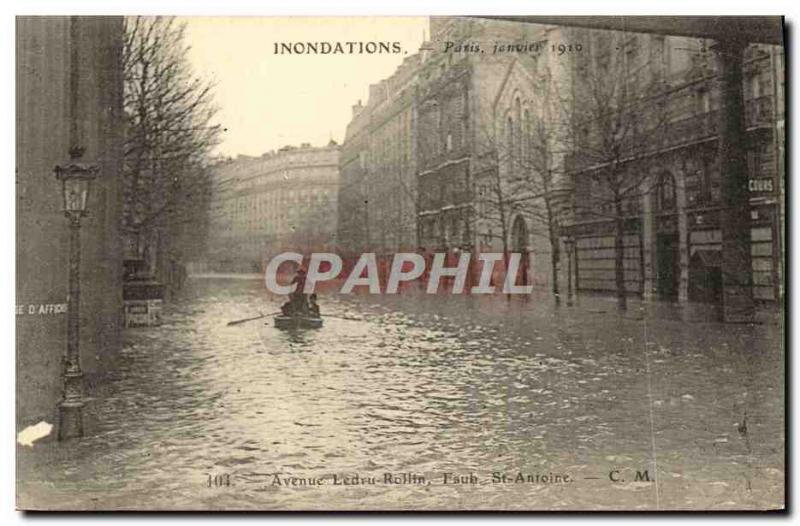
(297, 322)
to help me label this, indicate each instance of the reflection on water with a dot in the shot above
(419, 387)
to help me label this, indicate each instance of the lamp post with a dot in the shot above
(569, 246)
(76, 179)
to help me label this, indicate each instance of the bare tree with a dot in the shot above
(541, 185)
(495, 201)
(618, 112)
(352, 224)
(169, 136)
(394, 224)
(522, 171)
(382, 209)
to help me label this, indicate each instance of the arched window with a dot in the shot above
(509, 138)
(527, 138)
(455, 231)
(666, 198)
(517, 130)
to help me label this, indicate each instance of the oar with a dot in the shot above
(342, 317)
(237, 322)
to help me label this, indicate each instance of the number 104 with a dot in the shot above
(218, 481)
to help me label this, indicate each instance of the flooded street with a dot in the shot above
(596, 410)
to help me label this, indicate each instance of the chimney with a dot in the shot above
(357, 108)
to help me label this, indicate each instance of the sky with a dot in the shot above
(269, 100)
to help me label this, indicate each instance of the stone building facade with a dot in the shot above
(377, 194)
(673, 223)
(48, 49)
(523, 197)
(424, 153)
(476, 111)
(484, 92)
(282, 200)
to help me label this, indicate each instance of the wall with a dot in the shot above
(42, 245)
(377, 191)
(689, 157)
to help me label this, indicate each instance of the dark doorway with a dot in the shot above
(519, 244)
(519, 235)
(667, 266)
(705, 276)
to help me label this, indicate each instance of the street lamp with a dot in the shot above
(76, 179)
(569, 246)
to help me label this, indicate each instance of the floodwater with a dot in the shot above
(395, 393)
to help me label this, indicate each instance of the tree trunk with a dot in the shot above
(506, 253)
(554, 246)
(619, 254)
(554, 265)
(552, 234)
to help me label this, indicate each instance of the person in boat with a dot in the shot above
(313, 306)
(298, 299)
(297, 304)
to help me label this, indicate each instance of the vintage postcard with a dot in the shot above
(400, 263)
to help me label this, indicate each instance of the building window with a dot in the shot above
(439, 123)
(632, 54)
(527, 153)
(755, 86)
(583, 136)
(703, 101)
(510, 137)
(602, 62)
(518, 119)
(454, 229)
(754, 162)
(666, 192)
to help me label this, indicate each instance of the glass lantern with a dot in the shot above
(76, 181)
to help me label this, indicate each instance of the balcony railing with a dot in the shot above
(698, 127)
(694, 128)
